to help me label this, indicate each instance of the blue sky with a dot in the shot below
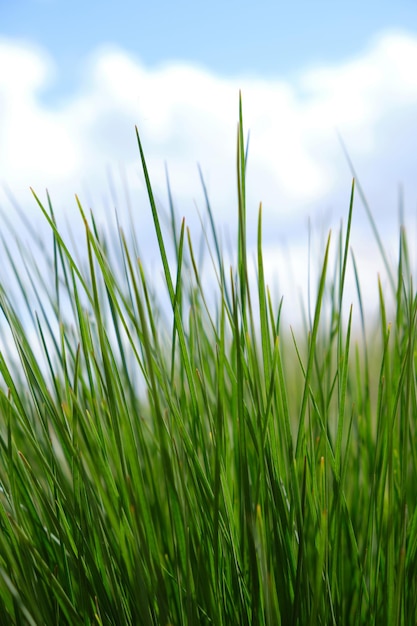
(76, 77)
(230, 38)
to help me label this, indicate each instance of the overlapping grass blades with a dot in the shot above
(205, 467)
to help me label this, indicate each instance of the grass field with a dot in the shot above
(204, 466)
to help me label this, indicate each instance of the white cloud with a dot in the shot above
(188, 115)
(34, 140)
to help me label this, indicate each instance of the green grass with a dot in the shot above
(205, 466)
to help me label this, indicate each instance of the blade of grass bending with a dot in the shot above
(62, 245)
(164, 258)
(216, 240)
(370, 216)
(157, 225)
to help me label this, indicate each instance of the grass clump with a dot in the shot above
(167, 469)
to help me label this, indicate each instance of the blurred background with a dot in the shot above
(75, 78)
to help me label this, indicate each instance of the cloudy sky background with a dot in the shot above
(76, 77)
